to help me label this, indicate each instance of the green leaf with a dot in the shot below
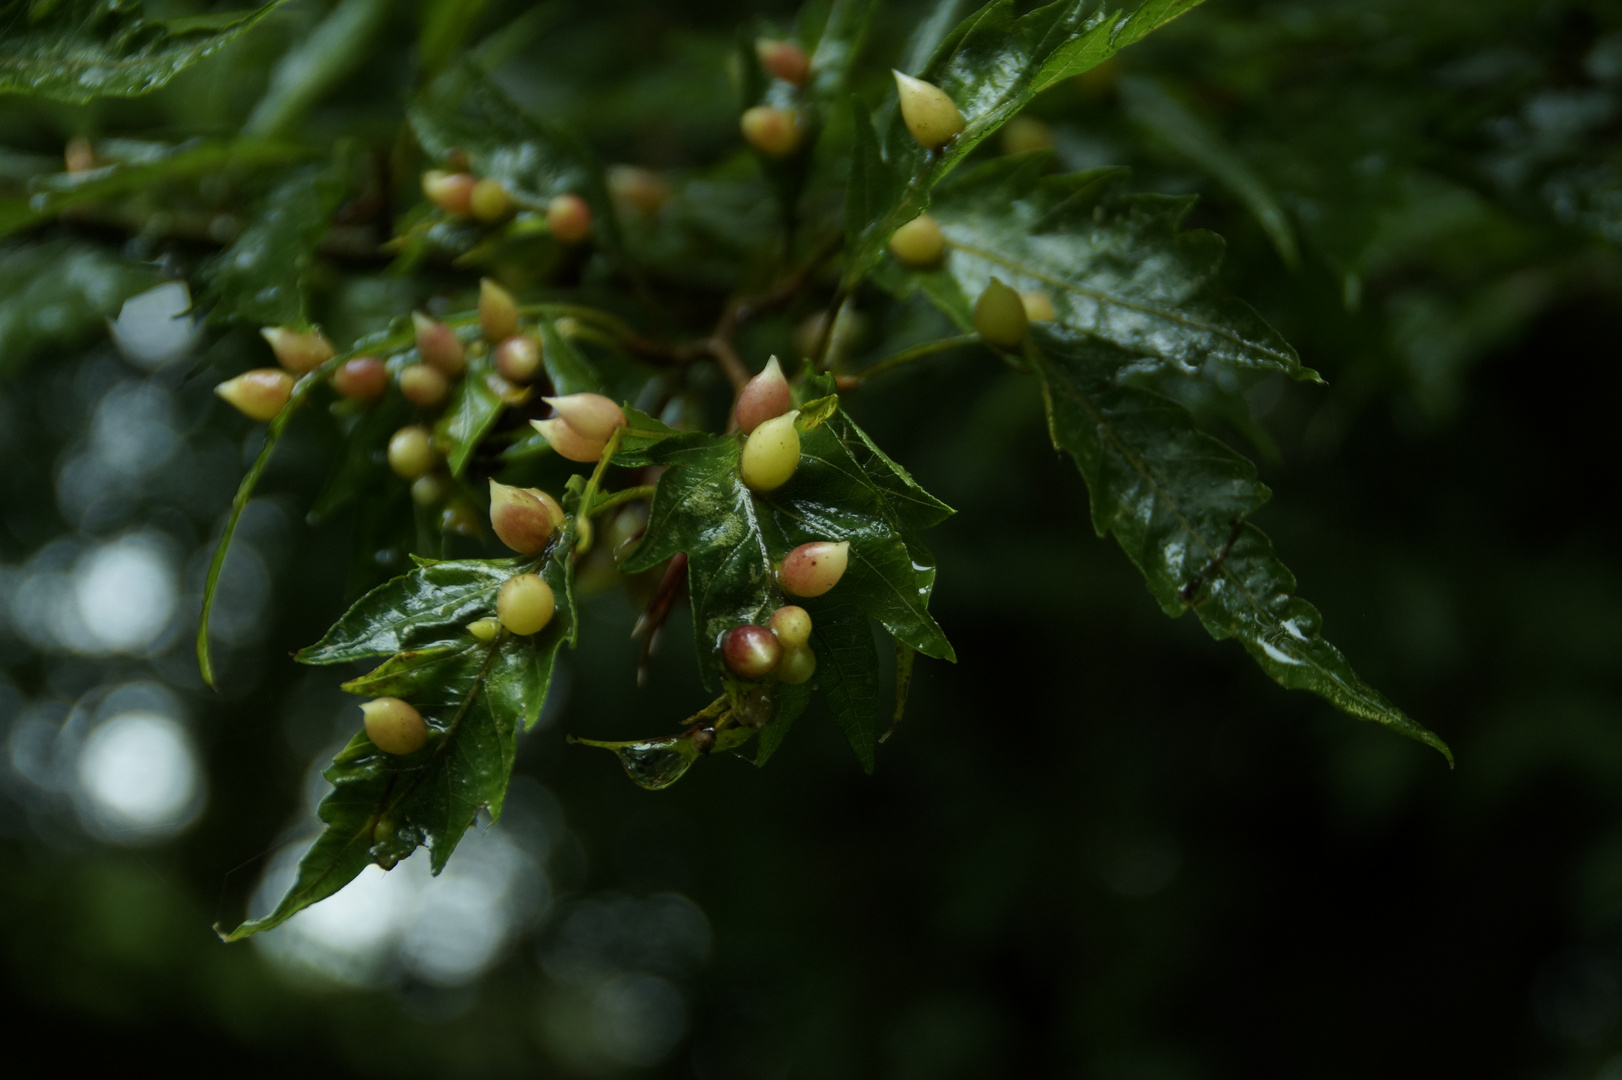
(474, 407)
(991, 65)
(1121, 269)
(56, 294)
(59, 192)
(568, 371)
(84, 49)
(363, 465)
(315, 65)
(262, 277)
(1151, 106)
(837, 48)
(789, 703)
(473, 695)
(1177, 501)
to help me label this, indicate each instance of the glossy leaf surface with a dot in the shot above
(82, 49)
(1177, 501)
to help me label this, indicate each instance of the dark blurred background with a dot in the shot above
(1101, 845)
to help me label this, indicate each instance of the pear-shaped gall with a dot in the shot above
(484, 629)
(362, 379)
(498, 311)
(519, 358)
(490, 201)
(763, 397)
(438, 345)
(797, 666)
(929, 114)
(999, 316)
(1038, 308)
(411, 452)
(775, 132)
(424, 385)
(750, 651)
(569, 218)
(452, 192)
(918, 243)
(298, 351)
(812, 569)
(520, 519)
(258, 394)
(429, 490)
(783, 60)
(792, 625)
(593, 415)
(394, 726)
(771, 453)
(525, 604)
(567, 442)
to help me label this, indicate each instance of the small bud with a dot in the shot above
(1038, 308)
(774, 132)
(438, 345)
(797, 666)
(411, 452)
(423, 385)
(763, 397)
(298, 350)
(498, 311)
(78, 156)
(771, 453)
(484, 629)
(490, 201)
(258, 394)
(999, 316)
(362, 379)
(792, 625)
(813, 569)
(525, 604)
(750, 651)
(784, 60)
(521, 520)
(918, 243)
(460, 518)
(1025, 133)
(518, 358)
(452, 192)
(429, 490)
(929, 114)
(569, 218)
(568, 442)
(593, 415)
(635, 188)
(394, 726)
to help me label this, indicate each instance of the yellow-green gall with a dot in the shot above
(394, 726)
(771, 453)
(298, 351)
(797, 666)
(775, 132)
(919, 243)
(792, 625)
(999, 316)
(1038, 308)
(258, 394)
(498, 311)
(929, 114)
(452, 192)
(525, 604)
(424, 385)
(569, 218)
(484, 629)
(411, 452)
(490, 201)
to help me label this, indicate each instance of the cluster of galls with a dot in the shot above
(1001, 314)
(778, 131)
(771, 454)
(462, 195)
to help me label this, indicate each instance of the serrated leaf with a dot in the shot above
(568, 371)
(991, 66)
(472, 411)
(260, 278)
(84, 49)
(363, 464)
(473, 695)
(1122, 270)
(788, 703)
(434, 602)
(1177, 501)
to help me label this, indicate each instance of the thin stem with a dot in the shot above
(906, 356)
(583, 516)
(714, 708)
(619, 498)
